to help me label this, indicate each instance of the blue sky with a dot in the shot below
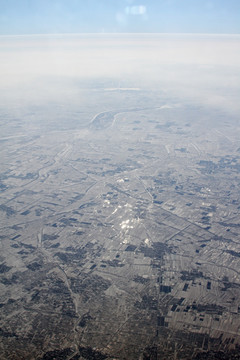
(95, 16)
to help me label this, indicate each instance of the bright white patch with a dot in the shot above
(115, 211)
(166, 107)
(147, 242)
(135, 10)
(120, 180)
(125, 224)
(167, 148)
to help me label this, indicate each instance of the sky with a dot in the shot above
(19, 17)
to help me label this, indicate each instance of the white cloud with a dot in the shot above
(135, 10)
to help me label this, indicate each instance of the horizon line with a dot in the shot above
(120, 33)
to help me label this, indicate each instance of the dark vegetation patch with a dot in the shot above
(130, 248)
(191, 275)
(58, 354)
(6, 281)
(7, 334)
(54, 246)
(208, 309)
(158, 202)
(151, 353)
(147, 303)
(228, 162)
(219, 355)
(4, 268)
(141, 280)
(233, 253)
(165, 289)
(75, 255)
(113, 263)
(229, 224)
(91, 354)
(157, 250)
(49, 237)
(34, 266)
(16, 237)
(84, 320)
(28, 246)
(3, 187)
(89, 287)
(221, 238)
(54, 297)
(24, 252)
(8, 210)
(207, 167)
(26, 212)
(228, 285)
(183, 150)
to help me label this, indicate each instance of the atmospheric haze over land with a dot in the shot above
(120, 165)
(40, 68)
